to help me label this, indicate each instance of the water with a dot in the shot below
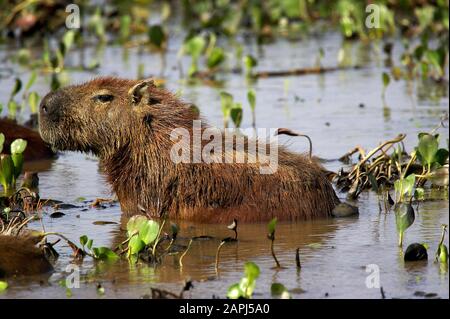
(334, 252)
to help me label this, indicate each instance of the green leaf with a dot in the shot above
(6, 170)
(419, 193)
(251, 270)
(83, 240)
(135, 223)
(404, 216)
(234, 292)
(148, 231)
(31, 80)
(236, 114)
(441, 156)
(16, 88)
(251, 97)
(33, 101)
(215, 58)
(18, 164)
(135, 245)
(428, 146)
(18, 146)
(2, 141)
(195, 46)
(443, 254)
(68, 40)
(156, 36)
(386, 79)
(125, 22)
(277, 289)
(3, 285)
(226, 102)
(89, 244)
(104, 253)
(271, 226)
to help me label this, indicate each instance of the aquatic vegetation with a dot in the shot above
(426, 165)
(279, 290)
(3, 285)
(404, 218)
(142, 233)
(442, 251)
(246, 286)
(11, 165)
(98, 253)
(271, 236)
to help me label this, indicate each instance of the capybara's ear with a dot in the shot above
(139, 92)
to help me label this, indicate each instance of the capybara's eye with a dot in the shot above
(104, 98)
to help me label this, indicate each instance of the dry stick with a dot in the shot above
(302, 71)
(185, 252)
(357, 168)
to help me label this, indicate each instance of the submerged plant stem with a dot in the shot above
(273, 253)
(185, 252)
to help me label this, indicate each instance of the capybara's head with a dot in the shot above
(105, 114)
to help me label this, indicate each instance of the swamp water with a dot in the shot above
(338, 110)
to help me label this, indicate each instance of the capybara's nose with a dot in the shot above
(51, 105)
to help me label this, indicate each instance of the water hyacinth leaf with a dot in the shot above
(135, 223)
(156, 36)
(441, 156)
(67, 40)
(3, 285)
(83, 240)
(135, 245)
(125, 22)
(277, 289)
(251, 97)
(6, 170)
(236, 114)
(443, 253)
(271, 226)
(12, 108)
(148, 231)
(18, 164)
(226, 102)
(89, 244)
(234, 292)
(386, 79)
(251, 271)
(195, 46)
(17, 87)
(249, 62)
(404, 218)
(18, 146)
(373, 183)
(215, 58)
(104, 253)
(31, 80)
(428, 146)
(33, 101)
(2, 141)
(419, 193)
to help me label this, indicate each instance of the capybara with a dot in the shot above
(20, 256)
(128, 125)
(36, 148)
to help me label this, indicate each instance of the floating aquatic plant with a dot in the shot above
(246, 286)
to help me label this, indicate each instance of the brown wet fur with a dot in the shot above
(19, 256)
(36, 148)
(133, 144)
